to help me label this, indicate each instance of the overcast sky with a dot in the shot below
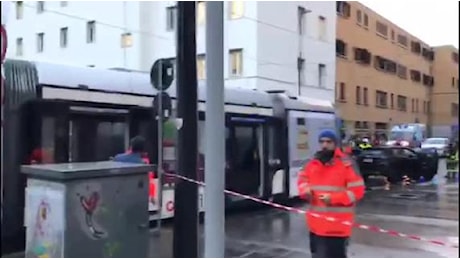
(432, 21)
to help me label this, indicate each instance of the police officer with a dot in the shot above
(452, 162)
(333, 185)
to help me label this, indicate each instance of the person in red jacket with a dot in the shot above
(332, 184)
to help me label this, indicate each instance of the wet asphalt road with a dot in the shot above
(426, 210)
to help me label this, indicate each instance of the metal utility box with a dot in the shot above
(87, 210)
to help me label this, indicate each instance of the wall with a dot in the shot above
(280, 44)
(445, 92)
(354, 74)
(106, 51)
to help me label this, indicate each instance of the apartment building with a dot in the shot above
(384, 73)
(444, 96)
(277, 46)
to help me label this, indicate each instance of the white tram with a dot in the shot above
(79, 114)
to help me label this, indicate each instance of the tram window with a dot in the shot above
(110, 140)
(44, 152)
(246, 147)
(93, 140)
(272, 143)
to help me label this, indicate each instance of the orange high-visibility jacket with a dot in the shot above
(340, 178)
(152, 188)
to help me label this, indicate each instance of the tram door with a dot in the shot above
(247, 158)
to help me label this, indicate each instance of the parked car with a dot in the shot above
(441, 145)
(394, 162)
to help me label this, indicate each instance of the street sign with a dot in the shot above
(162, 74)
(166, 105)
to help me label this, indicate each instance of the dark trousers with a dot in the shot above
(328, 247)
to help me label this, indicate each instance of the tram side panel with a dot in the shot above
(303, 130)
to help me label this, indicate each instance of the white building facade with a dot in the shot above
(287, 46)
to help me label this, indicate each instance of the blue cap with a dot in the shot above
(328, 134)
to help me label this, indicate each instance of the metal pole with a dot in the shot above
(185, 242)
(214, 200)
(160, 146)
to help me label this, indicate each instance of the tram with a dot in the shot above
(58, 113)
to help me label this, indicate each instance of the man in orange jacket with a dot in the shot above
(332, 184)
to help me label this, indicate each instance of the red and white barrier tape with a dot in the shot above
(331, 219)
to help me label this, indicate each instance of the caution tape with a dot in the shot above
(331, 219)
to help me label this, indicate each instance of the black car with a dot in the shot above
(395, 162)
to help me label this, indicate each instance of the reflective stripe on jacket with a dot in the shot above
(339, 178)
(365, 146)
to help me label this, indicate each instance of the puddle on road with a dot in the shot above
(409, 196)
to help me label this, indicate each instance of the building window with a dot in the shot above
(428, 107)
(126, 40)
(362, 56)
(40, 7)
(236, 62)
(201, 13)
(392, 35)
(19, 47)
(340, 48)
(63, 39)
(402, 103)
(358, 95)
(366, 20)
(412, 105)
(342, 96)
(359, 16)
(365, 97)
(415, 75)
(64, 3)
(19, 10)
(428, 54)
(381, 99)
(402, 71)
(454, 110)
(201, 66)
(321, 75)
(402, 40)
(301, 70)
(381, 28)
(40, 42)
(455, 57)
(428, 80)
(236, 9)
(91, 32)
(343, 9)
(392, 101)
(171, 13)
(385, 64)
(416, 47)
(416, 105)
(322, 28)
(301, 11)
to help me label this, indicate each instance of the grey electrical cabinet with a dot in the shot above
(97, 209)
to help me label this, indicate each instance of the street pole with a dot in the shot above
(185, 242)
(214, 200)
(160, 145)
